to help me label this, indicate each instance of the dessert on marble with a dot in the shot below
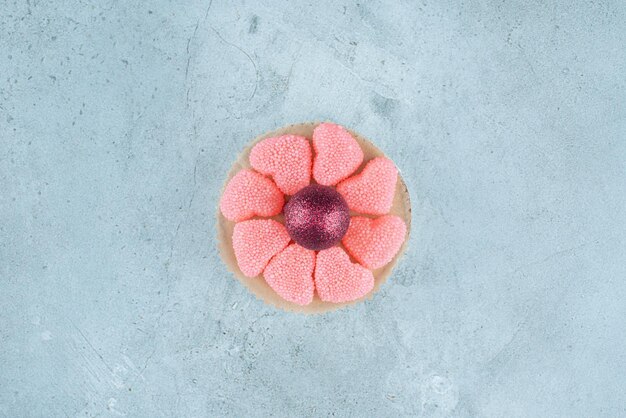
(313, 217)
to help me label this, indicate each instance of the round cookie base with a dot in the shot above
(401, 207)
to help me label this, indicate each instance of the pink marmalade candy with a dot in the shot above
(248, 194)
(373, 189)
(337, 154)
(319, 217)
(287, 159)
(255, 242)
(338, 280)
(290, 274)
(374, 242)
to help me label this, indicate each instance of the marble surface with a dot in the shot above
(119, 121)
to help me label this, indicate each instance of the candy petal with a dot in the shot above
(248, 194)
(374, 242)
(337, 154)
(372, 190)
(338, 280)
(255, 242)
(287, 159)
(290, 274)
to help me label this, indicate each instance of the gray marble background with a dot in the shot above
(120, 119)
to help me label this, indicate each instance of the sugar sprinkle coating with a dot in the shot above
(374, 242)
(337, 154)
(248, 194)
(290, 274)
(287, 159)
(372, 190)
(338, 280)
(255, 242)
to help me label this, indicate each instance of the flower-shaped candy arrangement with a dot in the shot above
(313, 224)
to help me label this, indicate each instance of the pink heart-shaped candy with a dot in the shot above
(287, 159)
(290, 274)
(338, 280)
(337, 154)
(372, 190)
(255, 242)
(374, 242)
(248, 194)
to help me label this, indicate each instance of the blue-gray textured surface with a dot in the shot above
(120, 119)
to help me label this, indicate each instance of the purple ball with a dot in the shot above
(317, 217)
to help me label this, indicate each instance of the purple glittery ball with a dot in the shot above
(317, 217)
